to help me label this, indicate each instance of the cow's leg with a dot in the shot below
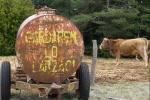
(145, 58)
(117, 58)
(136, 57)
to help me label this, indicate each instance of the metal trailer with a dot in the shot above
(49, 50)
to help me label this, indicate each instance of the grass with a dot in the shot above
(103, 91)
(120, 91)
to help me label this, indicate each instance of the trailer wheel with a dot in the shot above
(84, 81)
(5, 81)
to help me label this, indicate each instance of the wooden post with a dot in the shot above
(94, 61)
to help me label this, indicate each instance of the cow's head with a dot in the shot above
(105, 44)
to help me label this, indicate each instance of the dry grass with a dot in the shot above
(128, 81)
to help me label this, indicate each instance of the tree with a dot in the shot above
(116, 19)
(12, 14)
(63, 7)
(40, 3)
(95, 19)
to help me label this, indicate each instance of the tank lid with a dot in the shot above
(46, 10)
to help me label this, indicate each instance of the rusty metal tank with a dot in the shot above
(48, 45)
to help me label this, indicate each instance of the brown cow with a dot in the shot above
(126, 47)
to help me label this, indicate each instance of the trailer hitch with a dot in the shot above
(44, 93)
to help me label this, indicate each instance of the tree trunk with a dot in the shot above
(108, 2)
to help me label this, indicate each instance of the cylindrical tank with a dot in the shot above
(47, 45)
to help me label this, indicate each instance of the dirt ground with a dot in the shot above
(128, 70)
(106, 71)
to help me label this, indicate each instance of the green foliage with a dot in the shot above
(12, 14)
(123, 20)
(82, 19)
(104, 54)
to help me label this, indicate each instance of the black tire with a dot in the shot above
(5, 81)
(84, 81)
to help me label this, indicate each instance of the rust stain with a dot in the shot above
(47, 45)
